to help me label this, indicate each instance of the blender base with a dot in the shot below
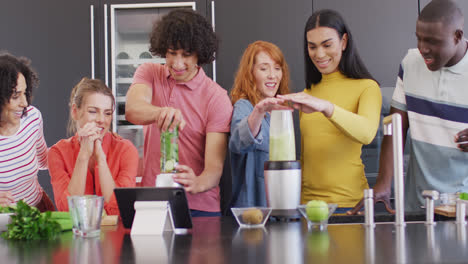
(285, 215)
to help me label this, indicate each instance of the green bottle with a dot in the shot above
(169, 150)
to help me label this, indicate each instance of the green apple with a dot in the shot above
(317, 210)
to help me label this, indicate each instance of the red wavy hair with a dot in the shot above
(244, 84)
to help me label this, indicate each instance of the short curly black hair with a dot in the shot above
(10, 67)
(184, 29)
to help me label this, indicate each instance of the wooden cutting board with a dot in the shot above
(109, 220)
(446, 210)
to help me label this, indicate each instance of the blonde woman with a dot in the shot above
(94, 160)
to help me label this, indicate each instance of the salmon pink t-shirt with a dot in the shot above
(122, 160)
(205, 107)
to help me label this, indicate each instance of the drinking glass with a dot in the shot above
(88, 209)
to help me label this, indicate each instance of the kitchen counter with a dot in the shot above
(220, 240)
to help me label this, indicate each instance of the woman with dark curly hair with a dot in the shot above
(23, 150)
(179, 94)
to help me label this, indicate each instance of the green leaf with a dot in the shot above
(29, 224)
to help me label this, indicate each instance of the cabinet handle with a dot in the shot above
(213, 23)
(91, 14)
(106, 51)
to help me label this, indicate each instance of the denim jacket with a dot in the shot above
(248, 154)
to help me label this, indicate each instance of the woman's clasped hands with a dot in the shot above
(90, 137)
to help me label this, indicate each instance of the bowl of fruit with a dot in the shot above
(251, 217)
(317, 212)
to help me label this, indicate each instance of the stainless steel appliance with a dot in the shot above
(283, 187)
(282, 172)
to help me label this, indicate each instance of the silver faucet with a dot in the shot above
(369, 207)
(392, 126)
(370, 244)
(461, 211)
(430, 196)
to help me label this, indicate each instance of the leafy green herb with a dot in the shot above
(7, 209)
(29, 224)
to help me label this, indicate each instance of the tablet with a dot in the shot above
(176, 197)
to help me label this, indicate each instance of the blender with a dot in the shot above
(282, 171)
(169, 158)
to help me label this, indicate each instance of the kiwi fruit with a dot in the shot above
(252, 216)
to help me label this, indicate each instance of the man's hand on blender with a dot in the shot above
(187, 178)
(381, 194)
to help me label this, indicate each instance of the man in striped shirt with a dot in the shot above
(23, 150)
(431, 95)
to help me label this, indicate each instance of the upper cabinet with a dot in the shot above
(383, 31)
(56, 36)
(241, 22)
(463, 4)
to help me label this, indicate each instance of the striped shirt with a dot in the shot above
(437, 107)
(21, 156)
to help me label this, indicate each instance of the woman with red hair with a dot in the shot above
(263, 73)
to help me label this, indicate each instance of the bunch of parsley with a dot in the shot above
(7, 209)
(29, 224)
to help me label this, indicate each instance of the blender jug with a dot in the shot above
(282, 172)
(282, 143)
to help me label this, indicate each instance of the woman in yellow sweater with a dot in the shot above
(339, 112)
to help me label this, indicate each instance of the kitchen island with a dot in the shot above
(220, 240)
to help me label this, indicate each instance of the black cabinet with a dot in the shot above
(383, 31)
(55, 35)
(239, 23)
(58, 43)
(463, 4)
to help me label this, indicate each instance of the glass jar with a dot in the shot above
(448, 198)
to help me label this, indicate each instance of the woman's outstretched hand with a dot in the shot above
(308, 103)
(269, 104)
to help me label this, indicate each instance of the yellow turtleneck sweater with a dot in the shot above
(332, 168)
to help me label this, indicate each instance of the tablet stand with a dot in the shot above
(152, 218)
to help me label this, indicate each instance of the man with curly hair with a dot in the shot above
(179, 93)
